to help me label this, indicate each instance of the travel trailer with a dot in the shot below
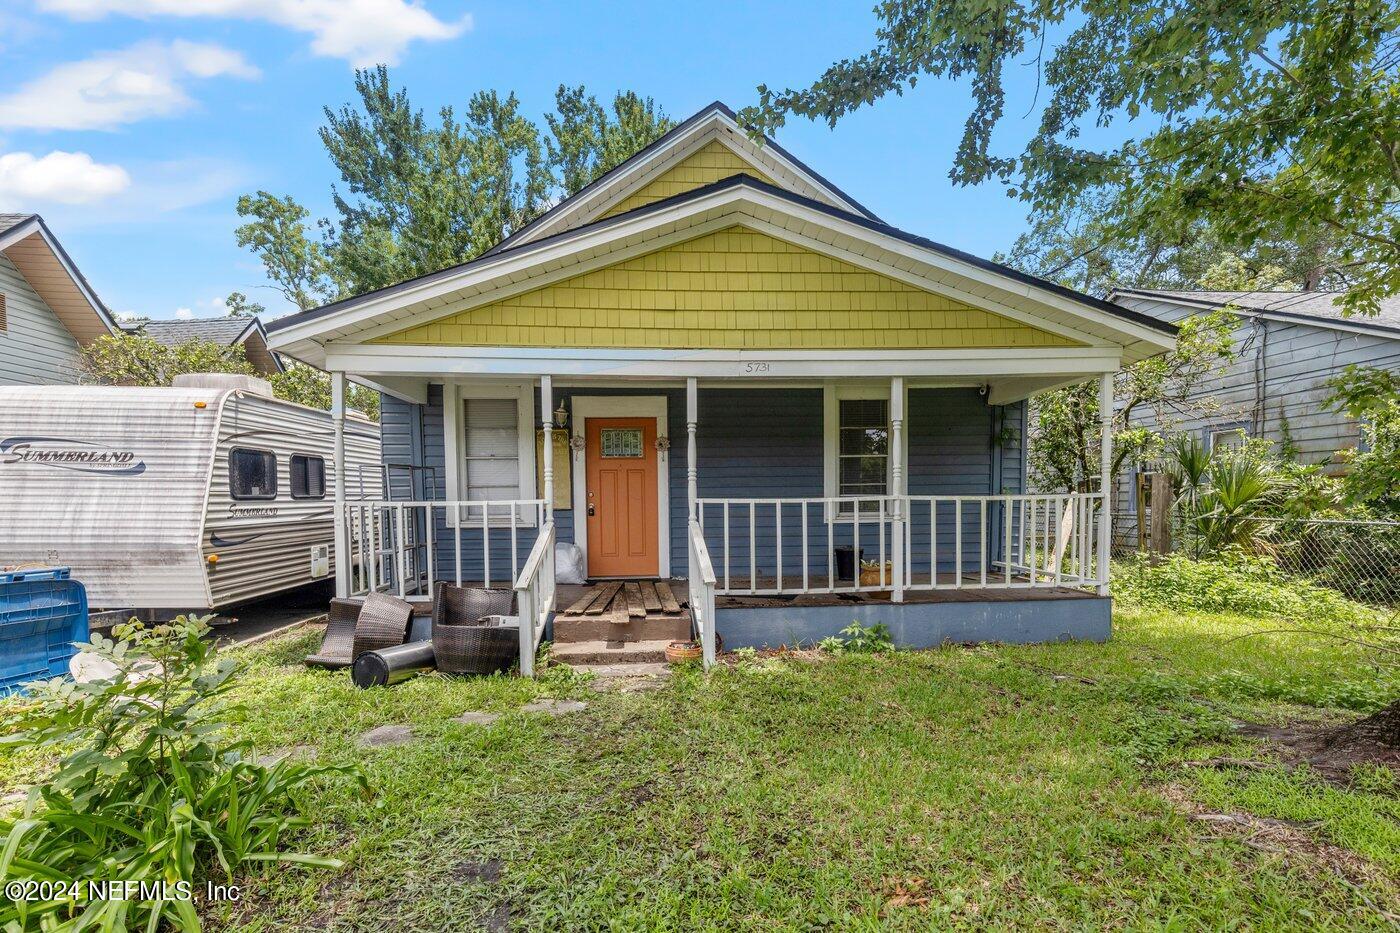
(195, 497)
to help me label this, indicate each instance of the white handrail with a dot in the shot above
(702, 593)
(534, 597)
(1007, 541)
(406, 545)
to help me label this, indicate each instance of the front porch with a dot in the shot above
(936, 538)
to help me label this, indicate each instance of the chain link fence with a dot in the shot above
(1358, 558)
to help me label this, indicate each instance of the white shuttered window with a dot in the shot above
(491, 448)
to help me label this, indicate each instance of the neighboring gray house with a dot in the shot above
(47, 309)
(224, 331)
(1290, 344)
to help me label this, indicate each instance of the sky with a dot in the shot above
(133, 125)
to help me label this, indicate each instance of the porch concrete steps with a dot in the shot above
(575, 629)
(611, 652)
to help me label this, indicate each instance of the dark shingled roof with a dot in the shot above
(8, 221)
(1319, 305)
(221, 330)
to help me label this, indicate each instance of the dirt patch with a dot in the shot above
(478, 871)
(1318, 748)
(810, 655)
(1281, 837)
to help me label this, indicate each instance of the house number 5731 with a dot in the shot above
(755, 367)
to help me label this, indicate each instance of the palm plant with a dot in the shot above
(1227, 511)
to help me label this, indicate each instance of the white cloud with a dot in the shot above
(27, 180)
(183, 314)
(112, 88)
(364, 32)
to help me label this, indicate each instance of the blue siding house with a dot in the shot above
(712, 373)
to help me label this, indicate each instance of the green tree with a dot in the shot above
(1248, 116)
(1066, 426)
(1073, 246)
(1371, 396)
(276, 233)
(134, 359)
(240, 305)
(416, 196)
(308, 385)
(586, 141)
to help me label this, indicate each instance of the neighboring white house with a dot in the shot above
(47, 309)
(1289, 345)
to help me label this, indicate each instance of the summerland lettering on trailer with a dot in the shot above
(71, 453)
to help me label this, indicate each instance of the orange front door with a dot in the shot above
(621, 497)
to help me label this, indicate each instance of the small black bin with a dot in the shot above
(846, 557)
(391, 665)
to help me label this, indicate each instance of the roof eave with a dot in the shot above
(35, 224)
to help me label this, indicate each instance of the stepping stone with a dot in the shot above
(554, 707)
(473, 718)
(384, 736)
(296, 752)
(647, 685)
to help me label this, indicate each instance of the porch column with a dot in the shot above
(547, 422)
(691, 473)
(1105, 480)
(342, 531)
(897, 486)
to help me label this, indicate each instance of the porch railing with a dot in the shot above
(403, 547)
(702, 592)
(534, 597)
(791, 545)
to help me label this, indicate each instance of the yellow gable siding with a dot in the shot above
(736, 288)
(707, 165)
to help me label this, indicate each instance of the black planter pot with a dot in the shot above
(846, 560)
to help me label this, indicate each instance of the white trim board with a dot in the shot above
(980, 365)
(583, 407)
(452, 395)
(832, 393)
(655, 161)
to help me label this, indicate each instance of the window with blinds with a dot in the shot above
(491, 451)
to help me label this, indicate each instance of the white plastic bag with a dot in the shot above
(568, 563)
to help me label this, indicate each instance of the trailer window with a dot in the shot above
(308, 477)
(252, 474)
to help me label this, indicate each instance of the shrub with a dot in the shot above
(1235, 582)
(859, 639)
(148, 789)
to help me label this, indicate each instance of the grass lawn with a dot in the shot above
(981, 787)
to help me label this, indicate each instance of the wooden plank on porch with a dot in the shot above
(583, 602)
(618, 613)
(667, 598)
(607, 592)
(635, 607)
(649, 596)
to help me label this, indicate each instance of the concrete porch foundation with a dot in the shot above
(924, 625)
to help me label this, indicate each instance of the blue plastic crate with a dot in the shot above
(42, 614)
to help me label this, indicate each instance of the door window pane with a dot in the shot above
(621, 442)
